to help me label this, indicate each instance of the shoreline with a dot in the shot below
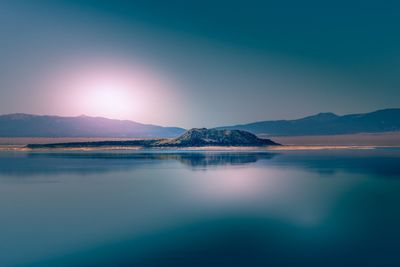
(360, 139)
(13, 148)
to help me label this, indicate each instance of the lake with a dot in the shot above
(177, 208)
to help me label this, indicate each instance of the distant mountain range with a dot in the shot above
(385, 120)
(26, 125)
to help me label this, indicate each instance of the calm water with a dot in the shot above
(320, 208)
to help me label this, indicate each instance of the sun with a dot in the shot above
(112, 88)
(110, 91)
(113, 98)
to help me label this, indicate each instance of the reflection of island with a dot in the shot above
(196, 160)
(382, 163)
(98, 162)
(193, 138)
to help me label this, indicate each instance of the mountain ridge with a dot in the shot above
(29, 125)
(327, 123)
(324, 123)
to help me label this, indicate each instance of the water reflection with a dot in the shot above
(326, 208)
(204, 160)
(21, 164)
(379, 162)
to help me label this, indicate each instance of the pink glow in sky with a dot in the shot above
(111, 88)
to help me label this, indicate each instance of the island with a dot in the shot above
(196, 137)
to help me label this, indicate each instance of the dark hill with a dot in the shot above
(214, 137)
(192, 138)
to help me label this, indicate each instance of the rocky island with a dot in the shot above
(197, 137)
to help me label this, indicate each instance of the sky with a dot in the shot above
(198, 63)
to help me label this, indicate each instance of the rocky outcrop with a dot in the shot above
(198, 137)
(193, 138)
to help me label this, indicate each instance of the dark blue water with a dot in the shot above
(321, 208)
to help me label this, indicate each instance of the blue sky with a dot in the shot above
(225, 61)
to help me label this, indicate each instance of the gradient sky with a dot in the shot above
(199, 63)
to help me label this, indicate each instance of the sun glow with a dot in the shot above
(112, 88)
(114, 98)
